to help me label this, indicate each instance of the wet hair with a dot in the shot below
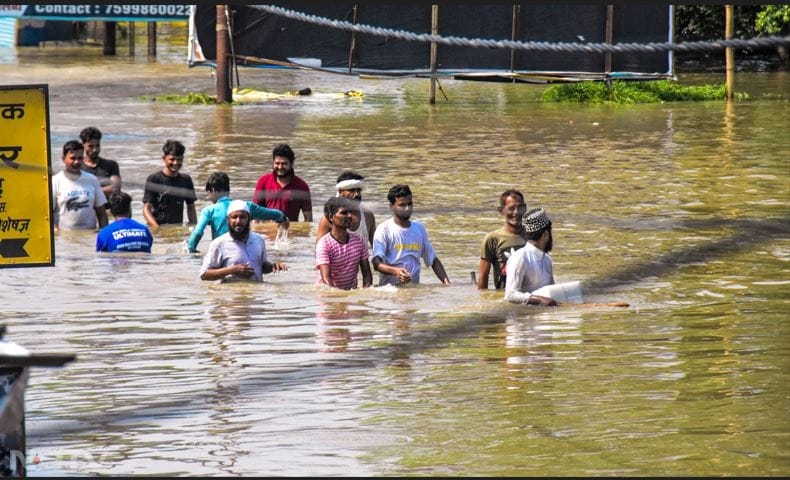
(334, 204)
(398, 191)
(283, 150)
(348, 175)
(218, 182)
(120, 203)
(90, 133)
(72, 146)
(174, 148)
(509, 193)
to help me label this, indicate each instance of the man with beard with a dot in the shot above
(282, 189)
(363, 222)
(106, 170)
(399, 243)
(530, 268)
(238, 255)
(501, 243)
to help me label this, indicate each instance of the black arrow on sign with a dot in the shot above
(13, 247)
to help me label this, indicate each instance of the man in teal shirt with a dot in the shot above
(216, 215)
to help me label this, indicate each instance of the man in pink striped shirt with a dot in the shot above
(339, 255)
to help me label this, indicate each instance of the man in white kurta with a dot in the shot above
(530, 267)
(238, 255)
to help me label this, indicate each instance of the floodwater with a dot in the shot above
(679, 209)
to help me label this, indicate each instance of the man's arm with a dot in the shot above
(325, 274)
(482, 274)
(191, 213)
(307, 205)
(367, 275)
(113, 186)
(258, 212)
(515, 275)
(55, 208)
(115, 182)
(370, 221)
(197, 233)
(307, 211)
(148, 213)
(239, 269)
(324, 227)
(438, 269)
(115, 178)
(101, 216)
(516, 270)
(268, 267)
(401, 273)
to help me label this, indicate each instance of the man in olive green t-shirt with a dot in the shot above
(498, 245)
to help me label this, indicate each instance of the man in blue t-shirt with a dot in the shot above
(124, 234)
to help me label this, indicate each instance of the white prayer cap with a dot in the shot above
(238, 205)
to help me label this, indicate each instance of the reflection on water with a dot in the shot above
(680, 210)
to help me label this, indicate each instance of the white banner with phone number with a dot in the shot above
(93, 12)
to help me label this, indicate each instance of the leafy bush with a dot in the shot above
(188, 99)
(622, 92)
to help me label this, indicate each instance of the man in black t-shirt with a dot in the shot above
(168, 189)
(106, 170)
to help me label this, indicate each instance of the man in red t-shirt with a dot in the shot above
(282, 189)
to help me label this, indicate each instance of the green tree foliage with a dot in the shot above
(773, 20)
(706, 22)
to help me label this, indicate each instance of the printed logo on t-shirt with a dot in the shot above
(76, 204)
(407, 246)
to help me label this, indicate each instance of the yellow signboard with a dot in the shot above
(26, 232)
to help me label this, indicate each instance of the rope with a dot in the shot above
(651, 47)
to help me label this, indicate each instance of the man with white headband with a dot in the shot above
(363, 222)
(238, 255)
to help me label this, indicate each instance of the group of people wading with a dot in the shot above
(517, 254)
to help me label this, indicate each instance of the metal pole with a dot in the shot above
(609, 38)
(729, 20)
(152, 39)
(224, 94)
(434, 31)
(131, 39)
(109, 38)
